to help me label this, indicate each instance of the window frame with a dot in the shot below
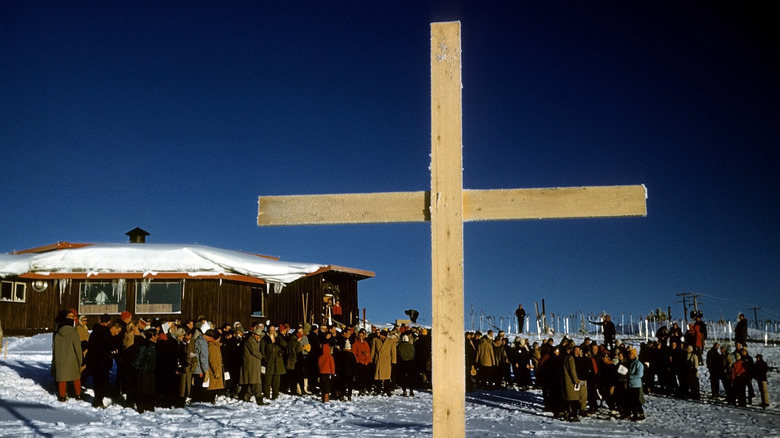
(14, 291)
(99, 309)
(147, 308)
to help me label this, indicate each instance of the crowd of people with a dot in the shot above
(171, 363)
(580, 380)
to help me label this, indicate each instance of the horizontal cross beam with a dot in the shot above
(478, 205)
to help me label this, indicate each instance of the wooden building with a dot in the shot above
(168, 282)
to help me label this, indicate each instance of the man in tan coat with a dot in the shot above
(251, 372)
(383, 355)
(570, 384)
(486, 362)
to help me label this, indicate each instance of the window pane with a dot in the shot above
(98, 297)
(158, 297)
(7, 291)
(20, 289)
(258, 301)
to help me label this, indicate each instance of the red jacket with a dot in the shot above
(362, 352)
(326, 362)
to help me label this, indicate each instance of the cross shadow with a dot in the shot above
(528, 402)
(20, 411)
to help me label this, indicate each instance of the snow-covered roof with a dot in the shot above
(150, 260)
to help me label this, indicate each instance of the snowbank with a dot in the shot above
(28, 407)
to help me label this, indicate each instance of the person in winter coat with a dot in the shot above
(251, 371)
(327, 368)
(165, 371)
(609, 331)
(584, 371)
(143, 365)
(201, 347)
(715, 366)
(232, 354)
(346, 369)
(760, 368)
(608, 381)
(547, 377)
(471, 361)
(216, 369)
(406, 373)
(422, 357)
(293, 369)
(634, 395)
(741, 330)
(679, 360)
(383, 356)
(273, 347)
(692, 378)
(66, 356)
(185, 363)
(503, 368)
(100, 357)
(83, 331)
(739, 380)
(362, 351)
(520, 315)
(486, 362)
(570, 384)
(302, 364)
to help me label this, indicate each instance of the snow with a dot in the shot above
(28, 407)
(150, 259)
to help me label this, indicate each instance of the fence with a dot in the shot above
(627, 326)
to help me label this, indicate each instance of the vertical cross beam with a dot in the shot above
(447, 206)
(448, 362)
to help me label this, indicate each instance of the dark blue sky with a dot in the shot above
(176, 116)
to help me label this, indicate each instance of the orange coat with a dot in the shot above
(362, 352)
(326, 362)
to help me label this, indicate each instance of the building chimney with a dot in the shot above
(137, 235)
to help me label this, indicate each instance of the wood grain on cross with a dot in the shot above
(447, 206)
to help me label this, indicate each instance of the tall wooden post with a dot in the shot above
(447, 205)
(448, 369)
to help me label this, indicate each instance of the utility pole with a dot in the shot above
(755, 315)
(684, 296)
(695, 303)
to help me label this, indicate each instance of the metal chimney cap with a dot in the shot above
(137, 235)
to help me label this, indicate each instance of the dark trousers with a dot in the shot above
(102, 385)
(198, 391)
(406, 374)
(325, 384)
(271, 385)
(714, 383)
(363, 378)
(247, 391)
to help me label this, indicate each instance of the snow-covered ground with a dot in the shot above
(28, 407)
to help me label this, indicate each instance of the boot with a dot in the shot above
(306, 386)
(325, 397)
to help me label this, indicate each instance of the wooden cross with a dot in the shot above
(447, 205)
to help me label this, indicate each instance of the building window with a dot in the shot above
(158, 296)
(258, 301)
(13, 291)
(99, 297)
